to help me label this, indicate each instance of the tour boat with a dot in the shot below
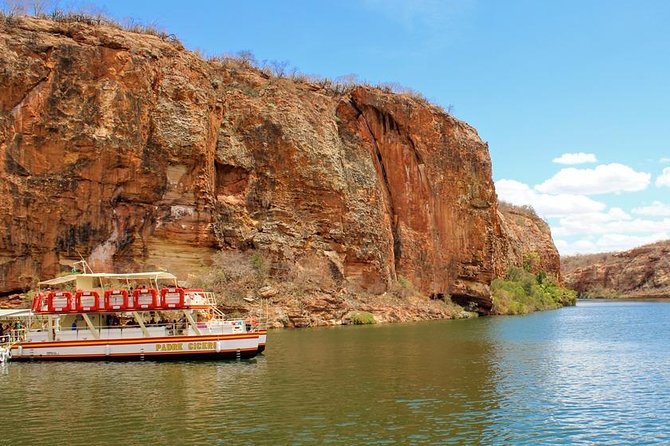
(101, 316)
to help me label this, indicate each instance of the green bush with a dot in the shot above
(522, 292)
(362, 318)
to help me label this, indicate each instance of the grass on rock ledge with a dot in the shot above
(522, 292)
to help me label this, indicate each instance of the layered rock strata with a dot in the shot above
(133, 153)
(643, 272)
(529, 242)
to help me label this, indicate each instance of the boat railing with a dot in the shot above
(15, 335)
(199, 297)
(178, 328)
(115, 332)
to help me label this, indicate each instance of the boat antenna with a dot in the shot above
(83, 263)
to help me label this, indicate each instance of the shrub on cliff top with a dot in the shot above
(51, 10)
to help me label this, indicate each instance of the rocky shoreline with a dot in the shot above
(329, 311)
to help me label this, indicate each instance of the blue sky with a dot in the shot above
(538, 79)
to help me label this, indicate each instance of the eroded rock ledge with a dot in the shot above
(642, 272)
(134, 153)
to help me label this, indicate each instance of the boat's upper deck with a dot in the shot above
(106, 292)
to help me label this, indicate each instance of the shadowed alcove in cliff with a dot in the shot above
(230, 180)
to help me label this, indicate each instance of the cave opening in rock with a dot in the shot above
(230, 180)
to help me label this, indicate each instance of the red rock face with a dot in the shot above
(641, 272)
(128, 151)
(528, 242)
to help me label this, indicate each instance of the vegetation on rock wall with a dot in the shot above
(89, 15)
(522, 292)
(341, 196)
(233, 276)
(311, 291)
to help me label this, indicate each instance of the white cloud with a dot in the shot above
(567, 248)
(582, 225)
(605, 178)
(613, 230)
(546, 205)
(606, 223)
(608, 243)
(655, 209)
(664, 160)
(664, 178)
(575, 158)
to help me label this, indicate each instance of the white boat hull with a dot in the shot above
(242, 345)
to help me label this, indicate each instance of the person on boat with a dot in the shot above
(183, 325)
(74, 325)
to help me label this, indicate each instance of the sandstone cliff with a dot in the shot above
(641, 272)
(529, 241)
(134, 153)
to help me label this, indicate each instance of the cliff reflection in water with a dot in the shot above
(344, 385)
(386, 384)
(595, 373)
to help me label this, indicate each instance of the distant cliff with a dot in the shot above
(640, 272)
(134, 153)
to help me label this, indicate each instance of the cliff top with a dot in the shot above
(98, 30)
(130, 150)
(639, 272)
(574, 262)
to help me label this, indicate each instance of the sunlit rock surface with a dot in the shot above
(640, 272)
(133, 153)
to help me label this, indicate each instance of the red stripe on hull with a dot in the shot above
(223, 354)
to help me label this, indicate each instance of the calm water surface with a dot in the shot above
(598, 373)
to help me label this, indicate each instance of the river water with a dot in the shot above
(597, 373)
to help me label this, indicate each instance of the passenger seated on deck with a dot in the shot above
(74, 324)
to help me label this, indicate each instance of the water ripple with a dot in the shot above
(595, 374)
